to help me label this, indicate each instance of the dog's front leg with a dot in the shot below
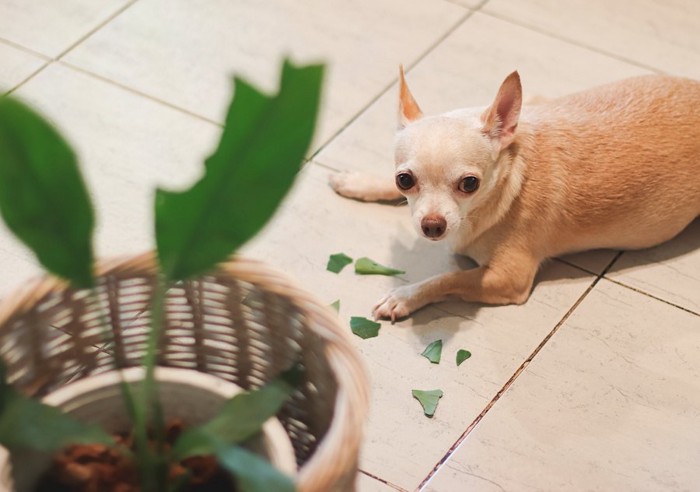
(491, 284)
(365, 187)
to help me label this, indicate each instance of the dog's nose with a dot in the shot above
(433, 226)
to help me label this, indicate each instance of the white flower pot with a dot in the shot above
(189, 395)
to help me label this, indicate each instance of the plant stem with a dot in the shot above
(154, 470)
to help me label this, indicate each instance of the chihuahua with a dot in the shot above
(617, 166)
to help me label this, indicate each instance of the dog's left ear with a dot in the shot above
(501, 118)
(408, 107)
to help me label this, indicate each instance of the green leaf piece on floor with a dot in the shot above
(428, 400)
(364, 328)
(433, 352)
(336, 305)
(462, 355)
(337, 262)
(262, 147)
(366, 266)
(43, 198)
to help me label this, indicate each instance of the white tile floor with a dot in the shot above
(591, 385)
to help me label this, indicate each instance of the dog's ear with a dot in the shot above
(408, 107)
(501, 118)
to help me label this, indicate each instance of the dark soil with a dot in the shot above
(98, 468)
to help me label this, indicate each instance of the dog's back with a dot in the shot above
(617, 166)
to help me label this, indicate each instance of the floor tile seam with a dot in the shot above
(468, 13)
(381, 480)
(139, 93)
(516, 374)
(630, 287)
(574, 265)
(27, 78)
(573, 42)
(476, 7)
(96, 28)
(51, 60)
(24, 49)
(647, 294)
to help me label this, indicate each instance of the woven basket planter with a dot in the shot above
(243, 323)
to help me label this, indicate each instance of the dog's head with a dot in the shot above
(450, 167)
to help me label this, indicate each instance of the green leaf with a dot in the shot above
(251, 472)
(43, 198)
(262, 147)
(433, 352)
(428, 400)
(462, 355)
(337, 262)
(363, 327)
(240, 418)
(26, 423)
(365, 266)
(336, 305)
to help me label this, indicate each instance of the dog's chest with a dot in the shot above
(480, 251)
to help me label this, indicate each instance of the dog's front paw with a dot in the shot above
(398, 303)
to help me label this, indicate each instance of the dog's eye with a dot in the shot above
(469, 184)
(405, 181)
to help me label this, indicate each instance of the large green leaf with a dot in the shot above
(252, 473)
(261, 149)
(240, 418)
(26, 423)
(43, 198)
(29, 424)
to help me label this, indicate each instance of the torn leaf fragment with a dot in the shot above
(337, 262)
(365, 266)
(462, 355)
(433, 352)
(428, 400)
(364, 328)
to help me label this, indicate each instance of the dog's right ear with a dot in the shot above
(501, 118)
(408, 107)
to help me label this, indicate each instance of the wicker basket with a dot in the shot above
(243, 323)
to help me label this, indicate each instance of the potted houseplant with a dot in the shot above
(76, 329)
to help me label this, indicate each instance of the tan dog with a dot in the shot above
(617, 166)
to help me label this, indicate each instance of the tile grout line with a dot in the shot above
(388, 484)
(24, 49)
(51, 61)
(144, 95)
(573, 42)
(516, 374)
(99, 26)
(393, 82)
(627, 286)
(652, 296)
(26, 79)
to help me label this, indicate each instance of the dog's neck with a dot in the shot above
(484, 218)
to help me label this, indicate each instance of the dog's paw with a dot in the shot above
(349, 184)
(365, 187)
(397, 304)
